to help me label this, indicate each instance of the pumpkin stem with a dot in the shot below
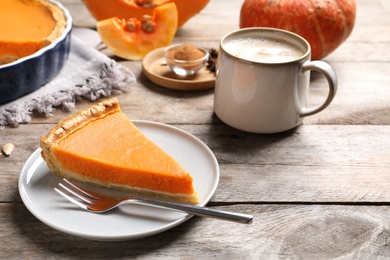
(147, 24)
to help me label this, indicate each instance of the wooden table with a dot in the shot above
(321, 191)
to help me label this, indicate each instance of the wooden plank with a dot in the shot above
(278, 232)
(365, 101)
(332, 164)
(80, 14)
(303, 184)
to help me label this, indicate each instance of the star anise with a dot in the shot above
(212, 60)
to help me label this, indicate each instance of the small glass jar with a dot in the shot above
(185, 59)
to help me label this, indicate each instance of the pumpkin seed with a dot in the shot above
(7, 149)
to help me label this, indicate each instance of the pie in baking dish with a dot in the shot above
(27, 26)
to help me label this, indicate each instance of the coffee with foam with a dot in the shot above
(263, 78)
(267, 50)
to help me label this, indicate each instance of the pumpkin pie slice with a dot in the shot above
(27, 26)
(100, 145)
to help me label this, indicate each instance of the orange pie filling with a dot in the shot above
(109, 150)
(26, 26)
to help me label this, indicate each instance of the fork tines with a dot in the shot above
(75, 194)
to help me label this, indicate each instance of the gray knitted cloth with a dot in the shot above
(87, 74)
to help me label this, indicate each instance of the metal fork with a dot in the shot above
(97, 203)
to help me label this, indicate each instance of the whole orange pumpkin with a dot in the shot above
(325, 24)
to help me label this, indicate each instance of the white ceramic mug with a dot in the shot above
(263, 88)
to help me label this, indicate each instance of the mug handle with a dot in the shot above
(326, 70)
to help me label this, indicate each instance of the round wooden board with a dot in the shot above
(159, 72)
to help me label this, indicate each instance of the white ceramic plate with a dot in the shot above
(36, 188)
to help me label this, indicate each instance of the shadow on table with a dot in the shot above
(48, 242)
(235, 146)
